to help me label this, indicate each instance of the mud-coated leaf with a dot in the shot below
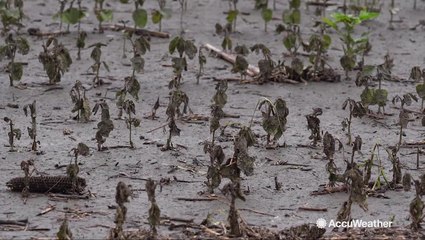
(154, 215)
(246, 163)
(381, 96)
(83, 149)
(297, 65)
(328, 145)
(242, 50)
(348, 62)
(420, 89)
(105, 127)
(173, 44)
(141, 46)
(190, 49)
(138, 63)
(140, 17)
(174, 130)
(289, 41)
(15, 71)
(132, 86)
(22, 46)
(241, 65)
(416, 73)
(96, 53)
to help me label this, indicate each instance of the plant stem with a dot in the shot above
(129, 127)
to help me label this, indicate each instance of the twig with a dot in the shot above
(125, 175)
(196, 199)
(281, 163)
(137, 31)
(66, 196)
(257, 212)
(21, 222)
(313, 209)
(47, 210)
(252, 71)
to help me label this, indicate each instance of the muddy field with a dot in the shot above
(264, 206)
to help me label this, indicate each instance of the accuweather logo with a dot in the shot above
(357, 223)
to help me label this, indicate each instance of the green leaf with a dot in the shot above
(22, 45)
(140, 17)
(105, 15)
(267, 14)
(289, 41)
(156, 16)
(367, 97)
(72, 15)
(348, 62)
(232, 15)
(365, 15)
(295, 3)
(173, 44)
(330, 23)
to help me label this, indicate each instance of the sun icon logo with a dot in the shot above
(321, 223)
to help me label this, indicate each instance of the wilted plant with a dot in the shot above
(357, 193)
(131, 84)
(154, 108)
(177, 98)
(95, 55)
(102, 14)
(395, 161)
(81, 103)
(26, 167)
(407, 181)
(56, 60)
(352, 46)
(184, 48)
(217, 113)
(225, 30)
(12, 134)
(64, 232)
(232, 168)
(122, 194)
(233, 217)
(12, 46)
(417, 207)
(105, 126)
(329, 151)
(154, 211)
(72, 169)
(11, 15)
(241, 64)
(417, 74)
(357, 110)
(313, 124)
(81, 43)
(266, 65)
(274, 118)
(404, 116)
(129, 109)
(318, 46)
(357, 147)
(32, 131)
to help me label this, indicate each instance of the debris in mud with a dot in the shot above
(45, 184)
